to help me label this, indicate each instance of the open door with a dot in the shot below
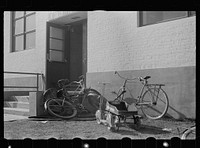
(66, 52)
(57, 64)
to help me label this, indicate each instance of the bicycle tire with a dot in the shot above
(156, 111)
(50, 93)
(64, 112)
(187, 134)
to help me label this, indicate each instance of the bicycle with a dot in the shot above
(189, 133)
(153, 101)
(66, 103)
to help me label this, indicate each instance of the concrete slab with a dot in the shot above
(10, 117)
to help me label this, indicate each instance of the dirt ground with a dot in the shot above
(62, 129)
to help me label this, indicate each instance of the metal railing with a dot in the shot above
(27, 73)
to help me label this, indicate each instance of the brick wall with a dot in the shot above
(115, 42)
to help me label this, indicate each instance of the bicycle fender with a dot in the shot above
(45, 104)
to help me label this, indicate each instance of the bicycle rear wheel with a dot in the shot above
(189, 134)
(157, 109)
(61, 108)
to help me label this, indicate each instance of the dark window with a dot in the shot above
(23, 33)
(153, 17)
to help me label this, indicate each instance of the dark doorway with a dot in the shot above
(66, 52)
(76, 58)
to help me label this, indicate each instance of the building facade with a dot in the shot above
(67, 44)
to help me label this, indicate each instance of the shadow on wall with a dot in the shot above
(174, 113)
(179, 116)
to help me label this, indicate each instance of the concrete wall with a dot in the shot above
(179, 85)
(115, 42)
(165, 51)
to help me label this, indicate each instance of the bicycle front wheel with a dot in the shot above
(189, 134)
(61, 108)
(154, 103)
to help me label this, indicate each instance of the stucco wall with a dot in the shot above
(165, 51)
(179, 86)
(115, 42)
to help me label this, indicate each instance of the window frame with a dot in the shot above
(140, 19)
(57, 39)
(24, 33)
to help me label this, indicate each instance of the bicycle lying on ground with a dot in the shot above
(153, 101)
(189, 133)
(67, 103)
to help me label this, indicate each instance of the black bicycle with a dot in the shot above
(152, 99)
(71, 99)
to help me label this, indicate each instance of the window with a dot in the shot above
(153, 17)
(23, 33)
(56, 44)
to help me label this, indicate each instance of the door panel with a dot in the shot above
(57, 54)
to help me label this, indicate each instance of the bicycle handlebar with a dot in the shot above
(139, 78)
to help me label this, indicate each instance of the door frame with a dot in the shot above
(84, 46)
(47, 54)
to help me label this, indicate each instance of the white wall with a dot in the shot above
(115, 42)
(32, 60)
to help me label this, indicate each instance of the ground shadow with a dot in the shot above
(144, 129)
(127, 132)
(52, 118)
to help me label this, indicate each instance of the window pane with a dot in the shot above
(30, 23)
(56, 56)
(193, 13)
(19, 26)
(151, 17)
(30, 40)
(56, 33)
(56, 44)
(19, 43)
(173, 14)
(19, 14)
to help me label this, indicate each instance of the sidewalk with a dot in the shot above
(9, 117)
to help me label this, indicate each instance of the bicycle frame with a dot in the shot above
(77, 93)
(145, 85)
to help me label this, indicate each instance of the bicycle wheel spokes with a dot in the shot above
(61, 108)
(154, 103)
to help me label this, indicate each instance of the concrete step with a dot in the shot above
(19, 98)
(16, 111)
(10, 117)
(16, 104)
